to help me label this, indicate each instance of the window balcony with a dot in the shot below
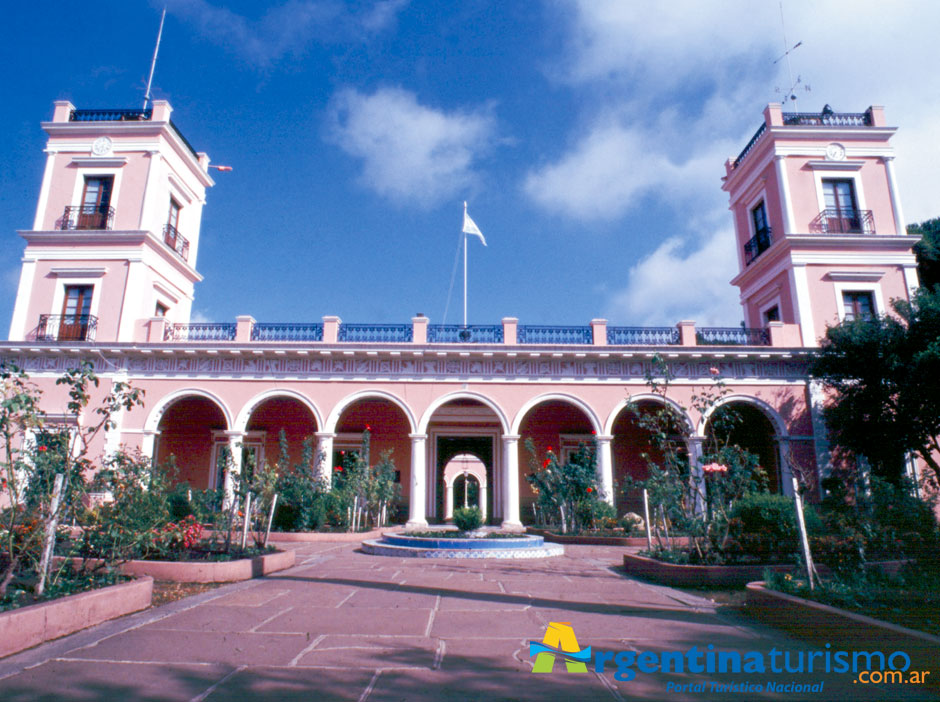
(833, 220)
(66, 327)
(88, 217)
(757, 245)
(176, 241)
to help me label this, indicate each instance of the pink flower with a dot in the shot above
(714, 371)
(714, 468)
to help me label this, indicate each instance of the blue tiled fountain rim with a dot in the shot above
(473, 543)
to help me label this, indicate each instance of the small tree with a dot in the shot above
(567, 491)
(37, 497)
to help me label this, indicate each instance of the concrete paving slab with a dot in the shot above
(59, 680)
(363, 620)
(260, 684)
(392, 598)
(512, 625)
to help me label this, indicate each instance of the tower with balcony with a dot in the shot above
(116, 234)
(819, 228)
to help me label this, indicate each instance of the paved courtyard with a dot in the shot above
(342, 625)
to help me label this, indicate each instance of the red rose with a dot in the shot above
(41, 448)
(590, 489)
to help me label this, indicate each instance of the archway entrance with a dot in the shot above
(465, 485)
(192, 430)
(457, 453)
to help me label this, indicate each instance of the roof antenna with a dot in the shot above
(791, 92)
(153, 63)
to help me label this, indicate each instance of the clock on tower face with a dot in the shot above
(101, 146)
(835, 152)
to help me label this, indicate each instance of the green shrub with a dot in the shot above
(764, 527)
(468, 518)
(631, 523)
(178, 502)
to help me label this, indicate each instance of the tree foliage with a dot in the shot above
(883, 376)
(927, 251)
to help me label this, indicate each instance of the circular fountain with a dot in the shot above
(478, 544)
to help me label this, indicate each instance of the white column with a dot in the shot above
(148, 444)
(511, 521)
(696, 474)
(783, 186)
(449, 501)
(417, 518)
(483, 501)
(235, 468)
(324, 458)
(783, 458)
(804, 304)
(817, 398)
(899, 225)
(19, 323)
(605, 468)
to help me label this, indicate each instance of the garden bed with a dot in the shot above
(733, 575)
(206, 571)
(30, 626)
(846, 630)
(315, 536)
(599, 539)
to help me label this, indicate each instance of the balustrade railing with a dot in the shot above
(200, 331)
(542, 334)
(176, 241)
(108, 115)
(642, 336)
(757, 245)
(459, 334)
(750, 145)
(834, 220)
(827, 118)
(87, 217)
(369, 333)
(287, 331)
(732, 336)
(66, 327)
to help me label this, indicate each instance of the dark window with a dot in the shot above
(96, 203)
(772, 315)
(76, 309)
(174, 217)
(759, 218)
(858, 305)
(161, 310)
(842, 213)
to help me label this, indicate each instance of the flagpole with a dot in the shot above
(465, 270)
(153, 63)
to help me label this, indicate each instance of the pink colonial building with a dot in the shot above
(109, 272)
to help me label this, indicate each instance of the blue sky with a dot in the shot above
(588, 137)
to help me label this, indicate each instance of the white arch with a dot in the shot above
(473, 467)
(562, 397)
(462, 395)
(339, 408)
(648, 397)
(780, 427)
(241, 421)
(156, 414)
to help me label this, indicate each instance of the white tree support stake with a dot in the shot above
(646, 513)
(801, 523)
(247, 520)
(49, 540)
(267, 533)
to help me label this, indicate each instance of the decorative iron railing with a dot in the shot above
(833, 220)
(368, 333)
(757, 245)
(540, 334)
(176, 241)
(732, 336)
(459, 334)
(827, 118)
(642, 336)
(66, 327)
(750, 145)
(200, 331)
(87, 217)
(287, 331)
(107, 115)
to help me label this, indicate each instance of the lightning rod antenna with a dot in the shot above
(156, 49)
(786, 45)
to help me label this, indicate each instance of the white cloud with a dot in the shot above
(607, 172)
(410, 153)
(285, 29)
(680, 281)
